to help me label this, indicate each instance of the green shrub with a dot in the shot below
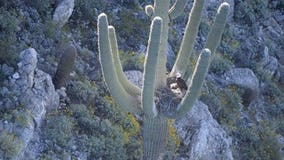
(58, 129)
(43, 7)
(87, 9)
(106, 144)
(132, 60)
(10, 21)
(257, 142)
(82, 92)
(224, 105)
(220, 65)
(10, 145)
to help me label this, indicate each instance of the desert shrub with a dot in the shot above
(132, 60)
(58, 130)
(224, 105)
(86, 121)
(43, 7)
(114, 144)
(19, 116)
(107, 143)
(10, 145)
(257, 142)
(134, 23)
(92, 145)
(81, 92)
(102, 138)
(132, 137)
(87, 9)
(10, 21)
(219, 65)
(22, 117)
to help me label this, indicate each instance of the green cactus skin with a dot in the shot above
(177, 9)
(127, 102)
(65, 66)
(149, 10)
(154, 77)
(129, 87)
(161, 10)
(150, 67)
(193, 91)
(215, 34)
(154, 137)
(187, 44)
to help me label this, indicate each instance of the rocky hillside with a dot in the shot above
(50, 111)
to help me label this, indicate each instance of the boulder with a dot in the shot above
(62, 12)
(202, 134)
(135, 77)
(269, 64)
(33, 88)
(30, 92)
(242, 77)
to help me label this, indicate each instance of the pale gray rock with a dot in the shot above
(269, 64)
(27, 65)
(33, 90)
(63, 12)
(242, 77)
(135, 77)
(281, 74)
(203, 135)
(7, 70)
(281, 143)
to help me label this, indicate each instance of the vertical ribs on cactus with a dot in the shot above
(163, 95)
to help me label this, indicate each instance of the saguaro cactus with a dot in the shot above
(65, 66)
(161, 96)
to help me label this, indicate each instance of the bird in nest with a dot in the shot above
(177, 85)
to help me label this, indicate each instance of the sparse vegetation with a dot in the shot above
(90, 125)
(10, 145)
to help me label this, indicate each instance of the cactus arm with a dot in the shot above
(187, 44)
(65, 66)
(161, 10)
(129, 87)
(217, 29)
(149, 10)
(126, 101)
(150, 68)
(177, 9)
(193, 91)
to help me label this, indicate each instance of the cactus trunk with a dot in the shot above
(154, 133)
(159, 100)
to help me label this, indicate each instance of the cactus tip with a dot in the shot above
(224, 6)
(102, 16)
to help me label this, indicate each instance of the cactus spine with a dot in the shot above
(154, 77)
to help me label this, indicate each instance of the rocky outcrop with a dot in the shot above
(242, 77)
(32, 87)
(269, 64)
(29, 94)
(62, 12)
(281, 143)
(204, 137)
